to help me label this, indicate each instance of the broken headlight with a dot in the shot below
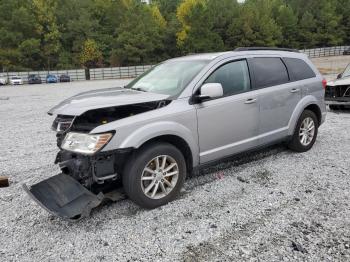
(85, 143)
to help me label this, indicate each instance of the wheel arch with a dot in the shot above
(177, 142)
(316, 109)
(307, 103)
(170, 132)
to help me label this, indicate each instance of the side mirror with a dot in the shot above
(339, 76)
(210, 90)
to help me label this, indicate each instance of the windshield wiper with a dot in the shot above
(139, 89)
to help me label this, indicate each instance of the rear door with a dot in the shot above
(278, 97)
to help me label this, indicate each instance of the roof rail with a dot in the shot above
(266, 48)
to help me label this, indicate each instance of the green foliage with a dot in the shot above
(255, 26)
(90, 55)
(139, 36)
(59, 34)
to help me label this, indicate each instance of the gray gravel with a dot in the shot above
(274, 205)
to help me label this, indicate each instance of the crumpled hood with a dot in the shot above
(103, 98)
(339, 82)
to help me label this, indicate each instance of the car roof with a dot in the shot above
(212, 56)
(203, 56)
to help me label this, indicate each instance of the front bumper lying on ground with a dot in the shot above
(63, 196)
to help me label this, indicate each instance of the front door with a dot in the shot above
(229, 124)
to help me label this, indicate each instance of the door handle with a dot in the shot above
(250, 101)
(294, 90)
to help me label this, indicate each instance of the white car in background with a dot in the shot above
(3, 80)
(16, 80)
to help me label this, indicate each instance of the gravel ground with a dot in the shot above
(274, 205)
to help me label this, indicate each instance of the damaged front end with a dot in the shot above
(88, 175)
(338, 95)
(338, 91)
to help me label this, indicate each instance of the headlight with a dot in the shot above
(85, 143)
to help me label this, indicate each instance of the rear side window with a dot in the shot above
(269, 71)
(298, 69)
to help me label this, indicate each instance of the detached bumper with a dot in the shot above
(63, 196)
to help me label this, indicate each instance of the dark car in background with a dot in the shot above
(51, 79)
(64, 78)
(34, 79)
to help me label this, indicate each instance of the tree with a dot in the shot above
(319, 22)
(327, 19)
(287, 20)
(140, 35)
(255, 26)
(16, 25)
(47, 28)
(307, 31)
(90, 55)
(193, 36)
(343, 8)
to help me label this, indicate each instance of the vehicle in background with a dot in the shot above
(64, 78)
(16, 80)
(51, 79)
(346, 52)
(180, 116)
(338, 91)
(3, 81)
(34, 79)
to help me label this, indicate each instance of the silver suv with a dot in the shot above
(182, 114)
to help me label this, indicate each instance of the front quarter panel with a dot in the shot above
(178, 119)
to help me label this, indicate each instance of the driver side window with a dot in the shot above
(233, 76)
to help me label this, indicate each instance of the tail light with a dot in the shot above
(324, 83)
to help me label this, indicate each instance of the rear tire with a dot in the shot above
(305, 133)
(154, 175)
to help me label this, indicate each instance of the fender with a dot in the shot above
(303, 103)
(149, 131)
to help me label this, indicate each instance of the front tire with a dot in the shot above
(305, 133)
(154, 175)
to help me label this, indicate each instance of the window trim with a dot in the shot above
(214, 70)
(251, 65)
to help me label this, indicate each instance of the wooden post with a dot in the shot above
(4, 181)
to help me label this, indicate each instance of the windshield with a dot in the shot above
(347, 71)
(168, 78)
(15, 78)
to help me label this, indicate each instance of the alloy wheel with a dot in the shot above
(159, 177)
(307, 131)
